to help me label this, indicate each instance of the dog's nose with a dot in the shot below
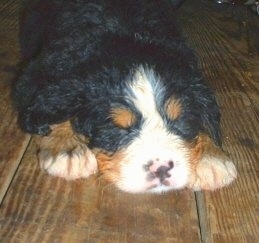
(162, 171)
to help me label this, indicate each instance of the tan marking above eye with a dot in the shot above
(173, 108)
(123, 117)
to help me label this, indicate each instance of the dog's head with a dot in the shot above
(142, 135)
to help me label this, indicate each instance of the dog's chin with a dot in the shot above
(158, 189)
(134, 179)
(139, 182)
(155, 186)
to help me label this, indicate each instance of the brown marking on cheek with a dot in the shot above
(109, 164)
(173, 108)
(61, 139)
(122, 117)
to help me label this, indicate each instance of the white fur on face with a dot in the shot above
(154, 144)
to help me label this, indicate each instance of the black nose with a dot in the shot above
(162, 171)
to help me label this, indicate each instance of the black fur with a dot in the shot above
(81, 54)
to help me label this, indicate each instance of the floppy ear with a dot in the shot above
(212, 125)
(65, 153)
(89, 118)
(83, 122)
(210, 116)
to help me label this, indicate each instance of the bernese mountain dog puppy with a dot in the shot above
(110, 86)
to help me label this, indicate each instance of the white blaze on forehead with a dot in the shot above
(146, 87)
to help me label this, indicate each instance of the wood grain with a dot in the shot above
(13, 142)
(224, 39)
(40, 208)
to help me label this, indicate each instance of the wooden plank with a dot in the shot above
(228, 49)
(40, 208)
(233, 213)
(13, 142)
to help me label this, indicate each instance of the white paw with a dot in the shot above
(71, 165)
(212, 173)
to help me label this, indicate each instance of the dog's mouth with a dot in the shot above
(162, 184)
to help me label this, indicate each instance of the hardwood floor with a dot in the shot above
(38, 208)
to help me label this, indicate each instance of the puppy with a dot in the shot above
(111, 87)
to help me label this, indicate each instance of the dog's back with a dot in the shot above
(43, 21)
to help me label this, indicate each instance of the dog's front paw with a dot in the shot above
(212, 173)
(65, 154)
(77, 163)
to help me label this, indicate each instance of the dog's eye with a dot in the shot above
(173, 108)
(123, 117)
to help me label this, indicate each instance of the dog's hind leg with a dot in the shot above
(65, 154)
